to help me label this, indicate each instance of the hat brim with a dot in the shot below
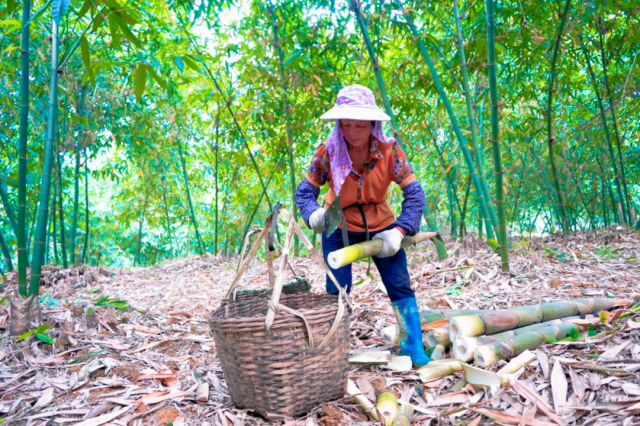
(355, 112)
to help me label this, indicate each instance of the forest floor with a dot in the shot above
(144, 366)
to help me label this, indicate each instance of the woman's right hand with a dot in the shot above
(317, 220)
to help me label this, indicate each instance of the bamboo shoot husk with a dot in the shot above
(489, 354)
(438, 352)
(361, 400)
(347, 255)
(515, 365)
(438, 369)
(436, 336)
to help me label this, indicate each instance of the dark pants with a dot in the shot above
(393, 270)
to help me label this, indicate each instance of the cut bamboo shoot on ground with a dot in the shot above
(489, 354)
(436, 336)
(361, 400)
(438, 369)
(464, 347)
(492, 322)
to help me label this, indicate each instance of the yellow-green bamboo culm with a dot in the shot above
(487, 355)
(492, 322)
(464, 347)
(355, 252)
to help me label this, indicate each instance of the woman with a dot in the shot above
(359, 162)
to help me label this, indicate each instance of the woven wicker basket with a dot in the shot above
(276, 373)
(300, 285)
(267, 340)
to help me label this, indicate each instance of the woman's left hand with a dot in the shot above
(391, 241)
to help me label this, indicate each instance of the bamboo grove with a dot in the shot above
(133, 132)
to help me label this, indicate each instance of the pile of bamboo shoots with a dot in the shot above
(491, 335)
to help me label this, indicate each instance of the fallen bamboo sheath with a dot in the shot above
(492, 322)
(464, 347)
(438, 369)
(348, 255)
(489, 354)
(438, 352)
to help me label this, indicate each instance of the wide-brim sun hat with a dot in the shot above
(355, 102)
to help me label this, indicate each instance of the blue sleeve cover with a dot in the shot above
(412, 208)
(307, 199)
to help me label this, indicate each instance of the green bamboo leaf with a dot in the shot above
(86, 55)
(592, 331)
(157, 78)
(24, 336)
(141, 81)
(293, 57)
(127, 32)
(179, 63)
(85, 8)
(113, 28)
(45, 338)
(58, 9)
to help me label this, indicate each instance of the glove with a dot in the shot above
(316, 220)
(391, 241)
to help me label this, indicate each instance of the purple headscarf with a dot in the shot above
(341, 165)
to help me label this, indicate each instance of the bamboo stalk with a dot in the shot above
(201, 247)
(442, 250)
(472, 118)
(492, 322)
(363, 401)
(503, 247)
(464, 347)
(45, 187)
(626, 202)
(6, 253)
(355, 252)
(23, 257)
(550, 122)
(454, 121)
(287, 114)
(487, 355)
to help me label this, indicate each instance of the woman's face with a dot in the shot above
(356, 132)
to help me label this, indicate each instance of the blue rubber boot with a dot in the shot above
(410, 335)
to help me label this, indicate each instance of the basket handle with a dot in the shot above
(275, 305)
